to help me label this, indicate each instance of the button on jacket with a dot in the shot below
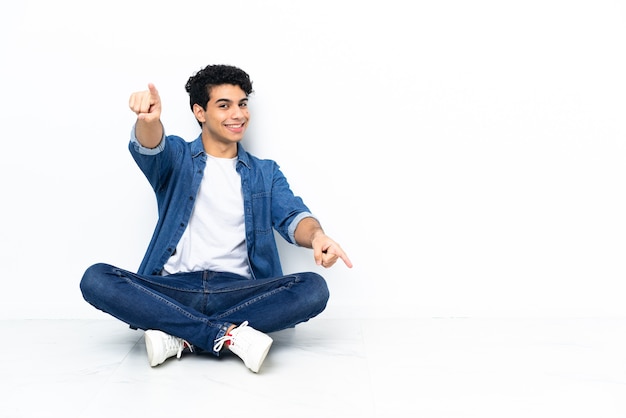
(175, 169)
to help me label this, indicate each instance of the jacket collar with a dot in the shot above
(197, 149)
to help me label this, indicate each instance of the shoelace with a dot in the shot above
(219, 343)
(176, 344)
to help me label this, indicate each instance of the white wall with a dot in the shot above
(468, 155)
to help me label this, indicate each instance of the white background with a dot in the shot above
(468, 155)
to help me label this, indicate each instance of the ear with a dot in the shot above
(198, 112)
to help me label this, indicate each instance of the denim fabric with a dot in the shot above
(175, 169)
(200, 306)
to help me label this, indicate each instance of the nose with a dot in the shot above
(237, 113)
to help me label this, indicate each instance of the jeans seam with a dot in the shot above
(158, 297)
(253, 301)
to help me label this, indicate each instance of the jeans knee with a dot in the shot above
(317, 290)
(93, 281)
(322, 287)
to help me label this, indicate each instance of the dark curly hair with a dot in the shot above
(199, 84)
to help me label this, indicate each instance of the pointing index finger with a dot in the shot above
(153, 90)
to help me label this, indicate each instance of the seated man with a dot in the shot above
(211, 277)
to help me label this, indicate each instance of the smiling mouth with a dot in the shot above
(235, 126)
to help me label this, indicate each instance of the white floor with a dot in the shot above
(325, 368)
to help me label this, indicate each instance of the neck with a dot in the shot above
(220, 150)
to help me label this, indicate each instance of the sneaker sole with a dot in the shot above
(150, 349)
(256, 367)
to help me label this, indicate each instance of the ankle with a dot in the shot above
(228, 332)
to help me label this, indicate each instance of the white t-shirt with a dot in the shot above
(215, 236)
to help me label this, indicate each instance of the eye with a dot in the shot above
(243, 104)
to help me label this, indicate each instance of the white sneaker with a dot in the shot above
(161, 346)
(249, 344)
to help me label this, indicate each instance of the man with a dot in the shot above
(211, 277)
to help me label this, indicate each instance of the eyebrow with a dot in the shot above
(245, 99)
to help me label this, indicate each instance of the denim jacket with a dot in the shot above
(175, 168)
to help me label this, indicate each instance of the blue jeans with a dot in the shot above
(200, 306)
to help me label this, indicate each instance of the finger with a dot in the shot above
(132, 102)
(317, 255)
(345, 259)
(339, 253)
(142, 101)
(146, 102)
(330, 261)
(138, 101)
(153, 91)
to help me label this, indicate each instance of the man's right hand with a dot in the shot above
(146, 104)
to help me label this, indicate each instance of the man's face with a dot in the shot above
(226, 117)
